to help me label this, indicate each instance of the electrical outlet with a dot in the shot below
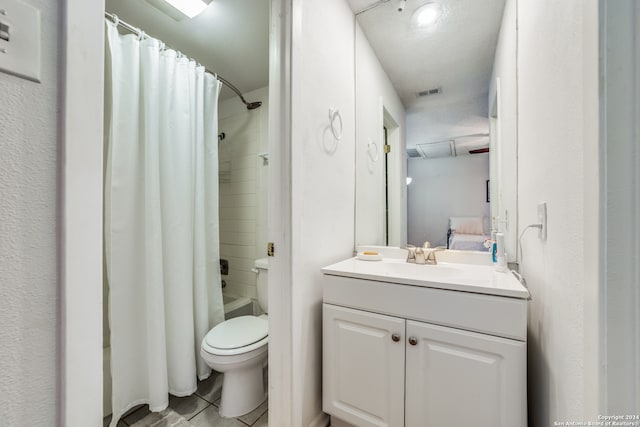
(542, 219)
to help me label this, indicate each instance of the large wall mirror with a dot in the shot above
(436, 132)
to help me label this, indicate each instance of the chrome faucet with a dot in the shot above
(431, 256)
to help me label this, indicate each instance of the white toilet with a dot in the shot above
(238, 348)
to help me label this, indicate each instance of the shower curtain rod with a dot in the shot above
(131, 28)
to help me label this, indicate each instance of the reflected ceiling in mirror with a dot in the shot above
(440, 71)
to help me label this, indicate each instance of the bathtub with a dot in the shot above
(234, 306)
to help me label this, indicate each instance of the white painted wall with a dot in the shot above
(243, 189)
(374, 92)
(557, 86)
(442, 188)
(322, 180)
(28, 233)
(504, 172)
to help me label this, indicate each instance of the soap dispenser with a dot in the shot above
(494, 245)
(501, 256)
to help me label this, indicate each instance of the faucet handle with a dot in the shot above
(411, 253)
(431, 256)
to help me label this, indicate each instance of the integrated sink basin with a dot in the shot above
(393, 268)
(390, 268)
(481, 279)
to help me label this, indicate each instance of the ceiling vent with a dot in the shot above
(413, 153)
(429, 92)
(436, 150)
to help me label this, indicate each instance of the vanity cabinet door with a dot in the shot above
(460, 378)
(363, 367)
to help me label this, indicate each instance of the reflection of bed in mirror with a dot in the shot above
(467, 233)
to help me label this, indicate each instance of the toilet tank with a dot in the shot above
(261, 268)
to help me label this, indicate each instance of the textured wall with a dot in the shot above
(28, 294)
(554, 79)
(322, 176)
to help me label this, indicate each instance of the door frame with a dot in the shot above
(80, 165)
(80, 185)
(619, 298)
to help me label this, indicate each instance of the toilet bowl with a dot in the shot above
(238, 348)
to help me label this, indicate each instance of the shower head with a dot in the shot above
(250, 105)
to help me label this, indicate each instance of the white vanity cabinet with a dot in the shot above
(461, 378)
(397, 355)
(363, 354)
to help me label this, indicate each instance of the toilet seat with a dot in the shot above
(236, 336)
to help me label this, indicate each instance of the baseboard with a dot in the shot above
(336, 422)
(321, 420)
(106, 381)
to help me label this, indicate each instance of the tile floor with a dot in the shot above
(201, 409)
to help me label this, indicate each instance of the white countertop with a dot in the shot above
(478, 279)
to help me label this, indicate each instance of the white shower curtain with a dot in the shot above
(161, 219)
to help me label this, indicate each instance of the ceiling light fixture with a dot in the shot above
(190, 8)
(427, 15)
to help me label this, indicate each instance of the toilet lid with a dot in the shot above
(237, 332)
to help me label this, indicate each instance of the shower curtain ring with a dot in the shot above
(116, 20)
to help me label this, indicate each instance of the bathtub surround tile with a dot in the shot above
(243, 213)
(238, 225)
(211, 388)
(229, 251)
(242, 263)
(254, 415)
(211, 418)
(241, 187)
(187, 406)
(238, 238)
(238, 201)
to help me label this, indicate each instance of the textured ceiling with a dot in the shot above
(231, 37)
(456, 54)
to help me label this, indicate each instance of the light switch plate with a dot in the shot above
(542, 220)
(20, 55)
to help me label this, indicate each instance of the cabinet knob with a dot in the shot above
(395, 337)
(413, 340)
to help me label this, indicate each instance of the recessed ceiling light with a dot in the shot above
(427, 15)
(190, 8)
